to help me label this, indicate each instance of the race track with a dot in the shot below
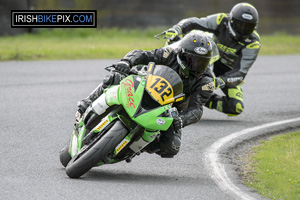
(38, 103)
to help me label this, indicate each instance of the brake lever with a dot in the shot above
(162, 33)
(108, 68)
(113, 69)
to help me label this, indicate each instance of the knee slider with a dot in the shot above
(235, 106)
(170, 145)
(239, 107)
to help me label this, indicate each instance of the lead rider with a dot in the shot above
(189, 58)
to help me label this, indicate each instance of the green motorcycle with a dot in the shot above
(123, 120)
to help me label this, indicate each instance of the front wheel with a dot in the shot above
(64, 155)
(97, 152)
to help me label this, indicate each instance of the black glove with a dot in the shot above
(123, 66)
(177, 123)
(82, 106)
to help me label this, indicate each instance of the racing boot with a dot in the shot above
(215, 102)
(153, 147)
(170, 142)
(167, 145)
(230, 106)
(85, 103)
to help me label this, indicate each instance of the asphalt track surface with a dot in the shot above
(38, 103)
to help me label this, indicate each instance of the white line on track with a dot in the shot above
(217, 169)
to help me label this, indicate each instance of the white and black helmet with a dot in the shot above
(195, 54)
(243, 20)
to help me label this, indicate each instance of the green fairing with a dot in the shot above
(74, 137)
(112, 95)
(128, 94)
(150, 121)
(129, 98)
(149, 136)
(80, 137)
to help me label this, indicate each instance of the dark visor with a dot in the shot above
(197, 64)
(244, 28)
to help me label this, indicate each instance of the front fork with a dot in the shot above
(80, 135)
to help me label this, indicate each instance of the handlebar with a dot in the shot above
(132, 70)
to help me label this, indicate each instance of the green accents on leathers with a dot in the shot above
(236, 93)
(220, 18)
(219, 106)
(254, 45)
(231, 104)
(239, 108)
(255, 32)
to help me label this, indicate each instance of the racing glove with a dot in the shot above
(219, 83)
(177, 123)
(173, 34)
(123, 66)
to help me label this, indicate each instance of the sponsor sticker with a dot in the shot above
(167, 52)
(160, 121)
(209, 87)
(121, 145)
(236, 79)
(128, 85)
(102, 125)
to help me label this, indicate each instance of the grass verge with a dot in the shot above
(60, 44)
(273, 167)
(76, 44)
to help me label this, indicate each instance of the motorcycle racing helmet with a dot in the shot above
(243, 20)
(195, 51)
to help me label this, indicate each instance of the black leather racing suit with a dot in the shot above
(197, 91)
(236, 58)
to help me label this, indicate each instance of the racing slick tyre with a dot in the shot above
(64, 155)
(96, 151)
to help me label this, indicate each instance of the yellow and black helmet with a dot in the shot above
(243, 20)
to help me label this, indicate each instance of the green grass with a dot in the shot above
(76, 44)
(276, 167)
(108, 43)
(280, 44)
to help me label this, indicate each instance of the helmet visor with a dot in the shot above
(196, 64)
(243, 28)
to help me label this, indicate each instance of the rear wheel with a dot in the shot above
(97, 151)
